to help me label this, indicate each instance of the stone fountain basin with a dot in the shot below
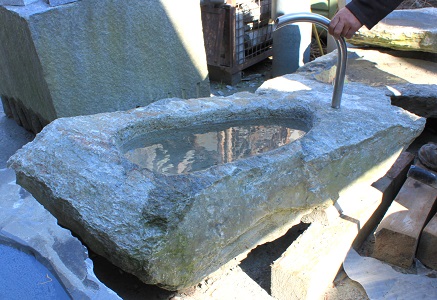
(174, 229)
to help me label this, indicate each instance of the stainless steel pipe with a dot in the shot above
(341, 46)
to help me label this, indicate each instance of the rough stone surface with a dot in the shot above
(427, 250)
(408, 30)
(52, 245)
(420, 99)
(173, 230)
(97, 56)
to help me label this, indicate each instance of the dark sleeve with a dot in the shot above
(370, 12)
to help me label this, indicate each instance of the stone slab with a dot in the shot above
(407, 30)
(382, 281)
(427, 249)
(26, 225)
(189, 225)
(97, 56)
(420, 99)
(397, 236)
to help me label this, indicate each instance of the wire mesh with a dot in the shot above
(254, 29)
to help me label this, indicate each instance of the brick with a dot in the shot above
(397, 236)
(427, 250)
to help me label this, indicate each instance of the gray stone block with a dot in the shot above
(98, 56)
(175, 229)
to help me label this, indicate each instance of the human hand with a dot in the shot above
(344, 24)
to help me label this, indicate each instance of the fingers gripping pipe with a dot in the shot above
(341, 46)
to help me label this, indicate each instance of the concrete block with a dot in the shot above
(99, 56)
(397, 235)
(427, 250)
(307, 268)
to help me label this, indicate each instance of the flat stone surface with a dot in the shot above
(408, 30)
(382, 281)
(189, 225)
(408, 81)
(397, 236)
(24, 277)
(427, 250)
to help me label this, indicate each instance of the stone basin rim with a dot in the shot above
(155, 124)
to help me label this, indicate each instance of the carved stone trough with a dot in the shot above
(172, 224)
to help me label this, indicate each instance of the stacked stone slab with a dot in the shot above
(407, 30)
(94, 56)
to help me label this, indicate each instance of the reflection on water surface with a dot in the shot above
(192, 149)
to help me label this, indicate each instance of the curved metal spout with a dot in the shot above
(341, 46)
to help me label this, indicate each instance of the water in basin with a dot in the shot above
(196, 148)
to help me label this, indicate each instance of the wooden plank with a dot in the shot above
(427, 250)
(213, 20)
(397, 236)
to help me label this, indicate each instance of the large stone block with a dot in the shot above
(175, 229)
(94, 56)
(407, 30)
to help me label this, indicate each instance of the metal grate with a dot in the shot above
(254, 29)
